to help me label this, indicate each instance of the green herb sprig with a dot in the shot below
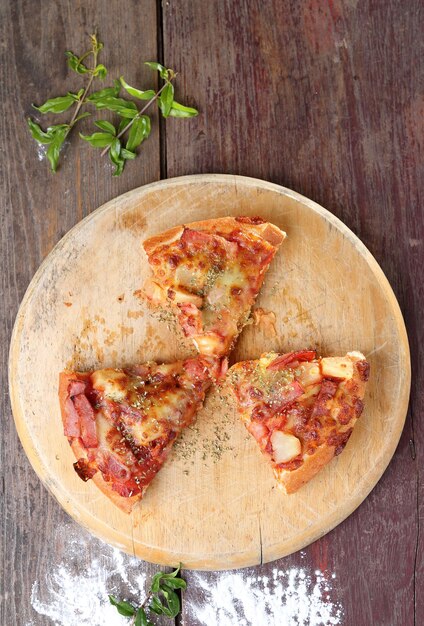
(161, 599)
(132, 123)
(55, 135)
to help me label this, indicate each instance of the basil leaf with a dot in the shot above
(122, 124)
(98, 140)
(56, 105)
(115, 148)
(76, 96)
(141, 618)
(157, 67)
(127, 154)
(139, 131)
(125, 108)
(124, 608)
(174, 573)
(38, 133)
(116, 158)
(179, 110)
(156, 606)
(137, 93)
(166, 99)
(155, 586)
(106, 126)
(74, 63)
(53, 151)
(172, 601)
(108, 92)
(100, 71)
(174, 583)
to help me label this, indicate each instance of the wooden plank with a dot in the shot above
(37, 208)
(325, 98)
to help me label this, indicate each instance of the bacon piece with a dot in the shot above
(339, 440)
(117, 469)
(189, 319)
(84, 470)
(197, 369)
(223, 368)
(142, 371)
(209, 242)
(76, 387)
(196, 237)
(71, 422)
(363, 368)
(277, 422)
(290, 394)
(262, 412)
(86, 420)
(259, 431)
(126, 490)
(244, 219)
(71, 425)
(358, 406)
(285, 359)
(327, 391)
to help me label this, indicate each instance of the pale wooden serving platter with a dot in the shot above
(209, 509)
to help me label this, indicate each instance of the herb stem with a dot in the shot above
(84, 95)
(81, 102)
(155, 97)
(147, 600)
(142, 606)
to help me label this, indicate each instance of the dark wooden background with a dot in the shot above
(323, 96)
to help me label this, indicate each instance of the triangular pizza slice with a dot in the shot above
(209, 273)
(122, 423)
(300, 409)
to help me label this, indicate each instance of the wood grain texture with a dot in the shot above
(36, 209)
(327, 98)
(225, 514)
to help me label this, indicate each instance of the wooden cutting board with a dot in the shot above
(214, 505)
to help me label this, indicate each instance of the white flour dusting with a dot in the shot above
(292, 597)
(72, 596)
(41, 151)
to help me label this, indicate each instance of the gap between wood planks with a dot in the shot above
(162, 122)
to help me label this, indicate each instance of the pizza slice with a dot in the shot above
(122, 423)
(300, 409)
(209, 273)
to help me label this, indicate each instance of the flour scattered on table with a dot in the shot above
(70, 596)
(288, 597)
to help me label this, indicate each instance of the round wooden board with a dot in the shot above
(214, 505)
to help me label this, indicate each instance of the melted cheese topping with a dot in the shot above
(152, 406)
(111, 382)
(165, 413)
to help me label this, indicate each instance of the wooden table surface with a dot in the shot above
(322, 96)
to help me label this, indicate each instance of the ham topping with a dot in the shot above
(285, 359)
(79, 415)
(86, 420)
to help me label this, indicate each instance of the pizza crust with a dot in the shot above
(269, 232)
(125, 504)
(291, 481)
